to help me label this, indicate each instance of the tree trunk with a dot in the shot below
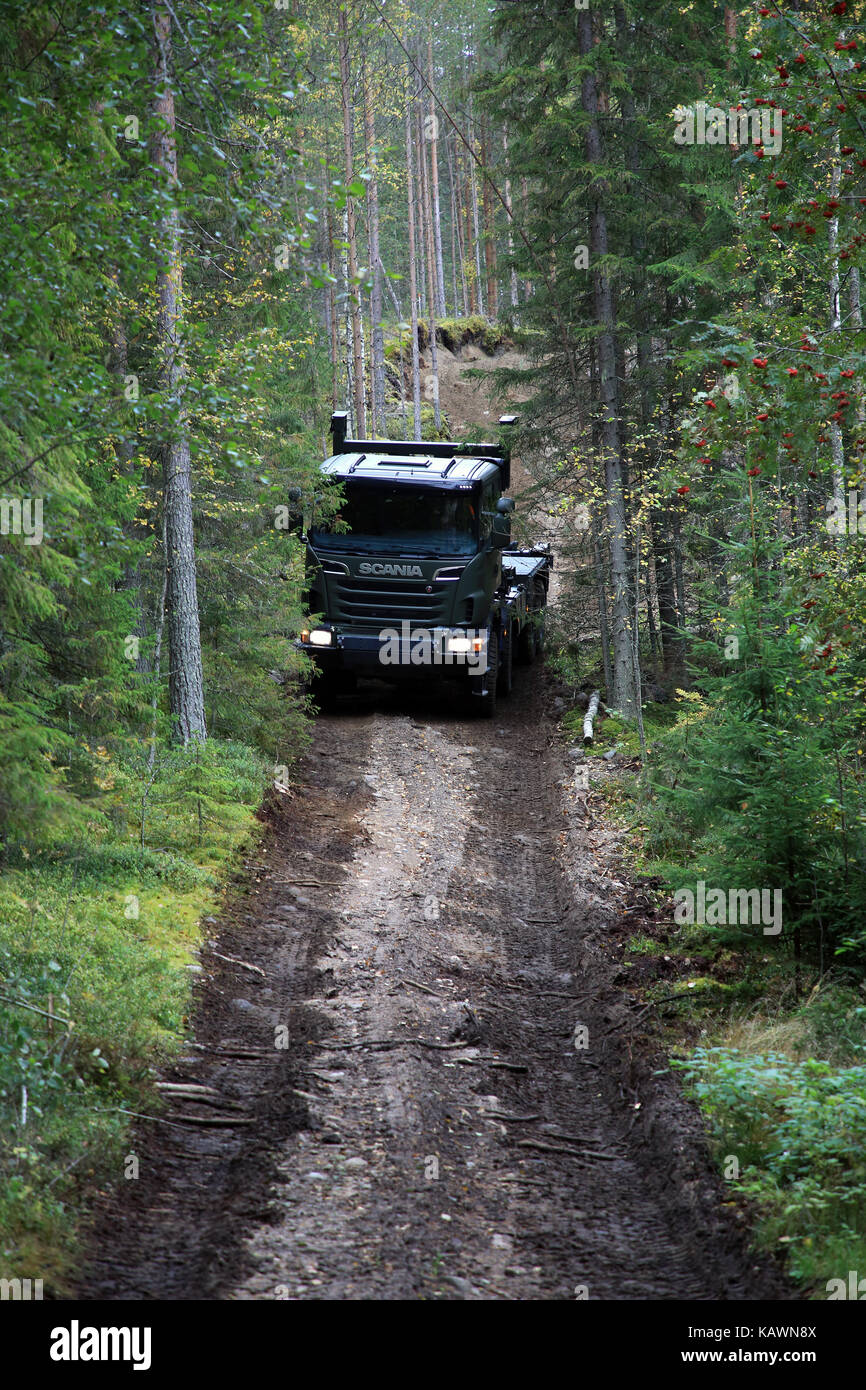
(601, 591)
(625, 695)
(655, 651)
(588, 718)
(730, 32)
(420, 225)
(597, 549)
(468, 252)
(856, 322)
(434, 185)
(402, 375)
(460, 224)
(837, 446)
(351, 237)
(157, 654)
(524, 200)
(509, 207)
(377, 337)
(455, 231)
(679, 578)
(331, 298)
(431, 292)
(413, 293)
(346, 324)
(489, 229)
(476, 229)
(666, 594)
(186, 680)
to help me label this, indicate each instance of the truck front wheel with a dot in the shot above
(327, 689)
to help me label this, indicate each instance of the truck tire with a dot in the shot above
(485, 705)
(325, 692)
(505, 679)
(540, 615)
(527, 645)
(328, 688)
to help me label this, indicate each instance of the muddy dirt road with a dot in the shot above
(431, 919)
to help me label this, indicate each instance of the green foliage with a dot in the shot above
(84, 418)
(759, 785)
(763, 782)
(99, 933)
(798, 1132)
(188, 795)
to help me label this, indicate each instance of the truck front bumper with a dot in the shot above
(408, 651)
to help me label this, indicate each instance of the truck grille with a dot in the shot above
(385, 602)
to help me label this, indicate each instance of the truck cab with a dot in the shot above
(408, 575)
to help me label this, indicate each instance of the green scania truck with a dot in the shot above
(416, 577)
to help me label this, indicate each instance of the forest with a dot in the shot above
(644, 227)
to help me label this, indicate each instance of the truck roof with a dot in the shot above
(435, 463)
(431, 470)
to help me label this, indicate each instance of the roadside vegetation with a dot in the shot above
(98, 936)
(768, 1033)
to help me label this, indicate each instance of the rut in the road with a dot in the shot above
(438, 1128)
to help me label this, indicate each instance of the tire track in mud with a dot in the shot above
(433, 1130)
(504, 1165)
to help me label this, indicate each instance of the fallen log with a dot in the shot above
(591, 712)
(185, 1088)
(212, 1121)
(233, 960)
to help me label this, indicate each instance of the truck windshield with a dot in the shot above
(401, 517)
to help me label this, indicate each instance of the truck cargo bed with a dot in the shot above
(525, 564)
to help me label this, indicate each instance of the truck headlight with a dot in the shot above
(321, 637)
(459, 645)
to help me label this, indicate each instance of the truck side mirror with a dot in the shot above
(505, 505)
(501, 534)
